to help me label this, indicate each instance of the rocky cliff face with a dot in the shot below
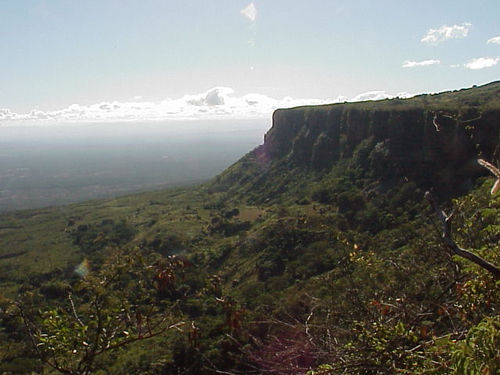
(416, 143)
(433, 141)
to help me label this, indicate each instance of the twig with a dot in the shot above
(73, 310)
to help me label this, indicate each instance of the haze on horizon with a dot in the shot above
(136, 61)
(60, 164)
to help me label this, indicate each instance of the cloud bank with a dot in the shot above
(216, 103)
(482, 62)
(413, 64)
(436, 36)
(378, 95)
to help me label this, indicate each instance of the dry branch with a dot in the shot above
(452, 245)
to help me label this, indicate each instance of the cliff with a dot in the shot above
(432, 140)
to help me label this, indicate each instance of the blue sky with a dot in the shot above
(154, 59)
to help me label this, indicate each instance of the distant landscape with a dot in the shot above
(57, 164)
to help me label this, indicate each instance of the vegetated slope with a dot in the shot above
(315, 248)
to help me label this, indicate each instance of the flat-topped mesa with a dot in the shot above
(432, 140)
(413, 137)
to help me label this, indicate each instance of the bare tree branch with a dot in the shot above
(452, 245)
(495, 171)
(73, 310)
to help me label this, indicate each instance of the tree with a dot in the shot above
(107, 309)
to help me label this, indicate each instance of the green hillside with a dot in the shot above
(315, 253)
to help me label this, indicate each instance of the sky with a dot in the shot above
(98, 60)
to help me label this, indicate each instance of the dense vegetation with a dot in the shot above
(280, 265)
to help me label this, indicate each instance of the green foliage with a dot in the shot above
(106, 310)
(374, 275)
(479, 353)
(91, 238)
(227, 227)
(324, 369)
(435, 319)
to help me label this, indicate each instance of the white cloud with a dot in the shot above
(495, 40)
(216, 103)
(436, 36)
(210, 98)
(7, 114)
(413, 64)
(378, 95)
(482, 62)
(250, 12)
